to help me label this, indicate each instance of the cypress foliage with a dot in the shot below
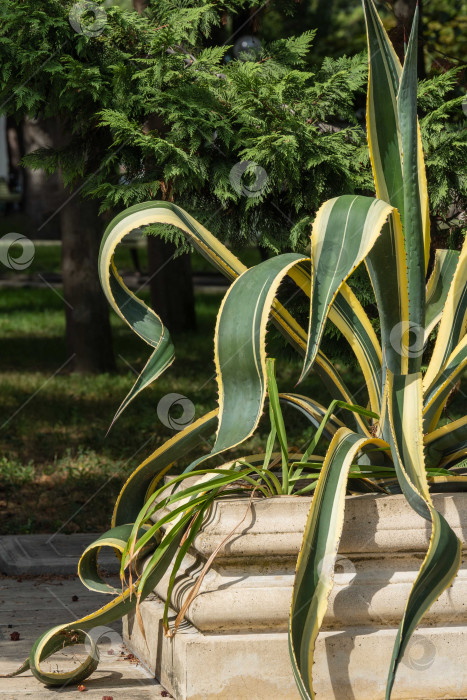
(151, 109)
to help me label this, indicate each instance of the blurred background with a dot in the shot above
(246, 114)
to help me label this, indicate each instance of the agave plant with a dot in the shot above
(396, 438)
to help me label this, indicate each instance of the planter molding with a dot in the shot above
(233, 643)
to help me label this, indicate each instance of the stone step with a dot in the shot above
(349, 665)
(49, 554)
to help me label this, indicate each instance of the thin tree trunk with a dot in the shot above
(42, 193)
(88, 332)
(139, 5)
(171, 283)
(171, 286)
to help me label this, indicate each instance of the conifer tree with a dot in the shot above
(250, 141)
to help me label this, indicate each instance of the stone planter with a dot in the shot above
(233, 643)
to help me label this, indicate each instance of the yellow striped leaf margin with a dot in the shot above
(385, 139)
(411, 215)
(148, 325)
(349, 316)
(436, 396)
(443, 558)
(344, 231)
(438, 287)
(240, 348)
(448, 444)
(453, 324)
(315, 567)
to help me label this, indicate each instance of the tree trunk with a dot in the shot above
(171, 286)
(88, 332)
(42, 193)
(139, 5)
(171, 283)
(404, 11)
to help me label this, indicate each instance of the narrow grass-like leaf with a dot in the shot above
(278, 421)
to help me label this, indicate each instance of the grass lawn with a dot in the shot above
(47, 259)
(58, 470)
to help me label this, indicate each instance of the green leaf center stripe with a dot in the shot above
(412, 215)
(386, 264)
(349, 317)
(240, 335)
